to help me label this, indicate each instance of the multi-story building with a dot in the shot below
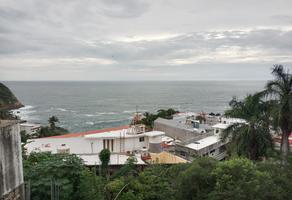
(121, 141)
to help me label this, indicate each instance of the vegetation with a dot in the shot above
(8, 99)
(104, 157)
(204, 178)
(280, 89)
(149, 118)
(52, 129)
(44, 169)
(251, 139)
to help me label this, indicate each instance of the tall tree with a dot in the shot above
(280, 89)
(252, 138)
(52, 121)
(104, 157)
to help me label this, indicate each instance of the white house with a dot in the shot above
(119, 140)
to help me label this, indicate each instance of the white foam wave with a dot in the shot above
(89, 123)
(61, 109)
(107, 113)
(129, 111)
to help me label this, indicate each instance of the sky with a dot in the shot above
(144, 40)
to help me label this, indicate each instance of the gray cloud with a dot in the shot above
(138, 39)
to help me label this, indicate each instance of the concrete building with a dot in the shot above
(11, 171)
(123, 141)
(30, 128)
(197, 139)
(182, 128)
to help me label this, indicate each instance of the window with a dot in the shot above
(108, 144)
(141, 139)
(217, 130)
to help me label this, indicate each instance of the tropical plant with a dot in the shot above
(280, 90)
(251, 138)
(104, 157)
(52, 122)
(42, 170)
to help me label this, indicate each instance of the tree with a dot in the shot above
(91, 186)
(43, 169)
(251, 139)
(280, 89)
(196, 182)
(104, 157)
(52, 122)
(239, 179)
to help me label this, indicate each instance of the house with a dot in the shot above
(30, 128)
(123, 140)
(11, 171)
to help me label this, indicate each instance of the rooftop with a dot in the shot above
(200, 144)
(166, 158)
(122, 133)
(81, 134)
(115, 159)
(221, 126)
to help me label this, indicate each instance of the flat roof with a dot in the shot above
(30, 124)
(81, 134)
(115, 159)
(200, 144)
(221, 126)
(123, 133)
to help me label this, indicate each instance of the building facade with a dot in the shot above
(11, 171)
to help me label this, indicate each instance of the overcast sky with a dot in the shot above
(144, 40)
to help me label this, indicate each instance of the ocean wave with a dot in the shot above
(61, 109)
(111, 121)
(89, 123)
(26, 107)
(129, 111)
(106, 113)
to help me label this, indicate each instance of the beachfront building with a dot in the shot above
(121, 141)
(197, 138)
(30, 128)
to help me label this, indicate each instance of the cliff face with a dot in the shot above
(8, 99)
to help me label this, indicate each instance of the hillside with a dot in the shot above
(8, 99)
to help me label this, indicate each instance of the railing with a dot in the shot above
(219, 156)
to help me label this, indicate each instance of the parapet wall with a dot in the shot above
(11, 171)
(177, 132)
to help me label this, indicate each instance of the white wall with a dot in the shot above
(81, 145)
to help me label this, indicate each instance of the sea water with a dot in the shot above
(82, 106)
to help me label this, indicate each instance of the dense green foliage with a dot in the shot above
(251, 139)
(280, 90)
(8, 101)
(47, 131)
(104, 157)
(149, 119)
(205, 178)
(67, 172)
(7, 98)
(51, 129)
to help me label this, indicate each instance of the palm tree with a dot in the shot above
(252, 138)
(280, 90)
(52, 121)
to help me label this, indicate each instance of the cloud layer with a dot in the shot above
(143, 40)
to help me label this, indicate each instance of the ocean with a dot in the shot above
(82, 106)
